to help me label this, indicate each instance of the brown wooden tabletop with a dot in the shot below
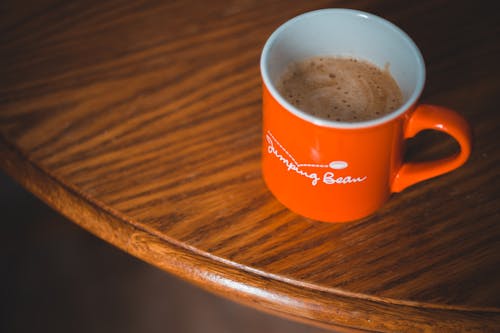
(141, 122)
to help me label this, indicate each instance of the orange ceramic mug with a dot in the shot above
(339, 171)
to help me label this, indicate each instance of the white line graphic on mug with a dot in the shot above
(291, 164)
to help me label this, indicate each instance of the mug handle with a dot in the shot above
(435, 118)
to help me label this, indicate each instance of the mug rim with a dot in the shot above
(411, 100)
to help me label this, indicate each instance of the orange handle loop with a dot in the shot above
(440, 119)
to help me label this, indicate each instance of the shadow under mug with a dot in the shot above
(342, 171)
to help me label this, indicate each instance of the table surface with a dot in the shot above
(141, 122)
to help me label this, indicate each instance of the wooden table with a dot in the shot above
(140, 121)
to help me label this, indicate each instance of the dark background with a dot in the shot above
(57, 277)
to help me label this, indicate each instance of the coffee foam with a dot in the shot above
(341, 89)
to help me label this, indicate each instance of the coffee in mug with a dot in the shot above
(339, 88)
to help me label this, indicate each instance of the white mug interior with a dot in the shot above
(344, 33)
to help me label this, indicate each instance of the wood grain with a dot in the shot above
(140, 121)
